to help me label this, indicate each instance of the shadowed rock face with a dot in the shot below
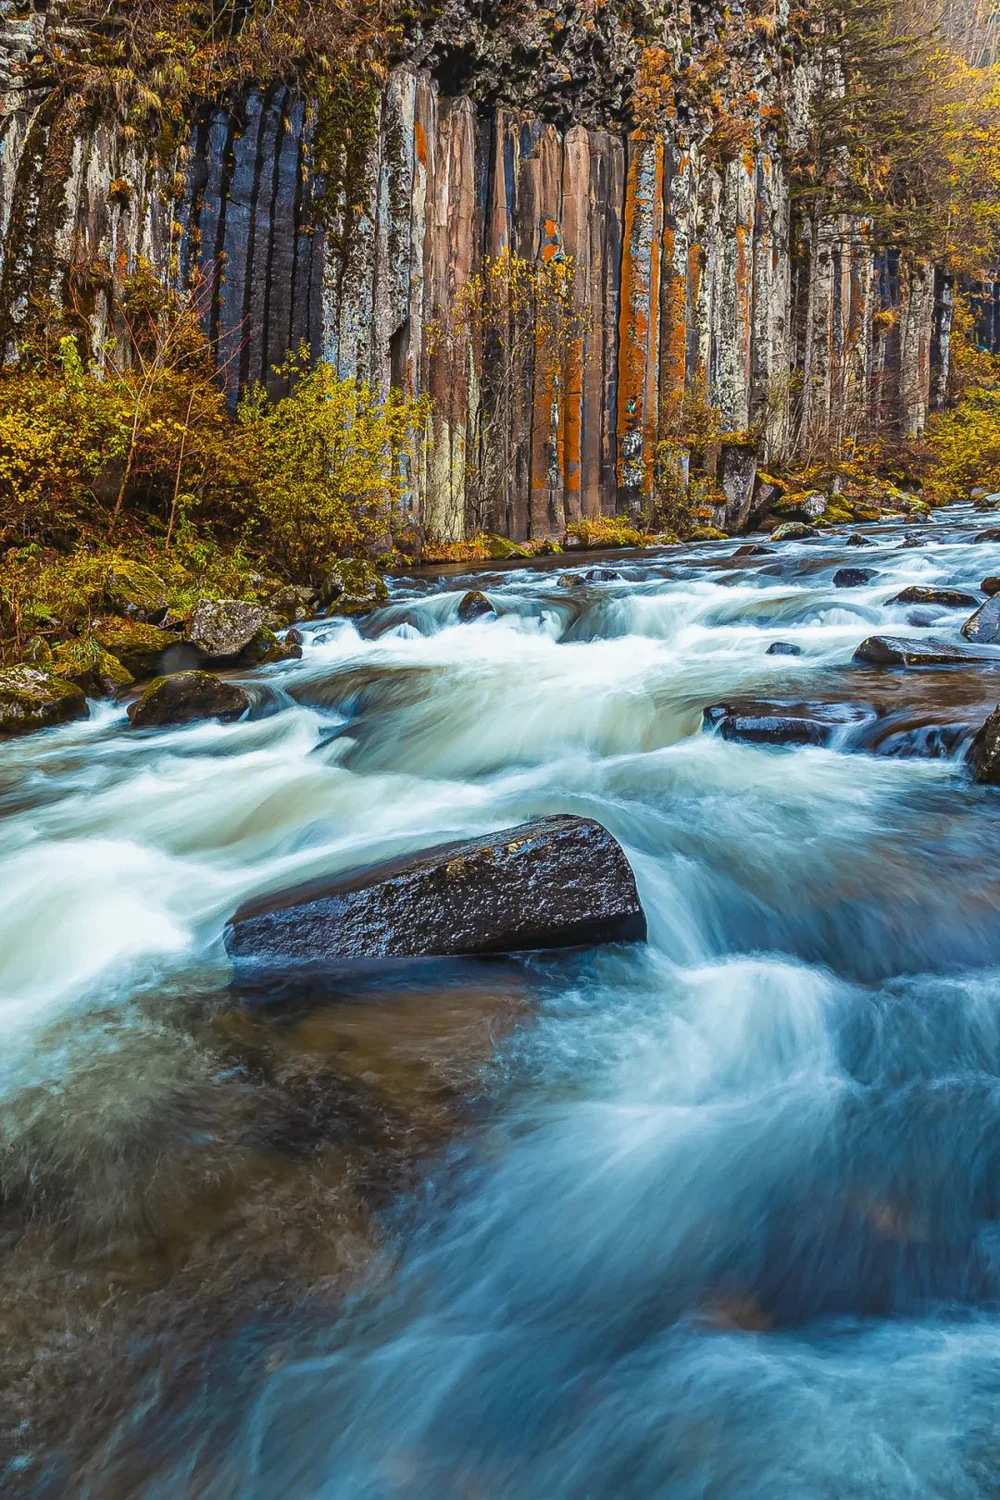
(553, 883)
(984, 752)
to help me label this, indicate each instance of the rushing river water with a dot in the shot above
(717, 1216)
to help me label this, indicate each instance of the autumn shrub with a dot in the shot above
(326, 467)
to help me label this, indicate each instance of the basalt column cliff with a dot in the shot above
(657, 164)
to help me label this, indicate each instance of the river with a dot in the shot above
(716, 1216)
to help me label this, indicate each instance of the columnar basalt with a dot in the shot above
(693, 271)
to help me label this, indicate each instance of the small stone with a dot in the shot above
(570, 581)
(990, 586)
(752, 549)
(185, 696)
(601, 575)
(857, 540)
(783, 648)
(853, 578)
(475, 606)
(910, 541)
(31, 699)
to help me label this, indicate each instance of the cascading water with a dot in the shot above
(724, 1220)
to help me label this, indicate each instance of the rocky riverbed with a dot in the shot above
(710, 1214)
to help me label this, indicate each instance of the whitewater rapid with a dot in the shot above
(727, 1222)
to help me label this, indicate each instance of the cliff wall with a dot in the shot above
(698, 271)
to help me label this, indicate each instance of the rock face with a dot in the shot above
(853, 578)
(32, 699)
(222, 629)
(556, 882)
(984, 752)
(984, 626)
(184, 696)
(896, 651)
(949, 598)
(691, 266)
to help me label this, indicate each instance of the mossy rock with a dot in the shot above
(708, 534)
(38, 653)
(143, 649)
(224, 629)
(31, 699)
(502, 547)
(352, 587)
(475, 606)
(265, 649)
(792, 531)
(93, 669)
(186, 696)
(134, 590)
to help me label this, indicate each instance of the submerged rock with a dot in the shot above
(222, 629)
(783, 648)
(949, 598)
(475, 606)
(552, 883)
(570, 581)
(853, 578)
(910, 540)
(990, 535)
(602, 575)
(761, 723)
(184, 696)
(752, 549)
(984, 626)
(984, 752)
(857, 540)
(31, 699)
(897, 651)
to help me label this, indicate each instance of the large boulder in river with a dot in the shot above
(984, 752)
(901, 651)
(184, 696)
(750, 722)
(948, 598)
(222, 629)
(984, 626)
(33, 699)
(553, 883)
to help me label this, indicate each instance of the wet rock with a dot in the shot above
(184, 696)
(294, 639)
(992, 535)
(990, 586)
(984, 752)
(551, 883)
(896, 651)
(948, 598)
(857, 540)
(756, 723)
(783, 648)
(222, 629)
(984, 626)
(752, 549)
(352, 587)
(910, 541)
(31, 699)
(146, 650)
(792, 531)
(475, 606)
(601, 575)
(570, 581)
(265, 649)
(93, 669)
(853, 578)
